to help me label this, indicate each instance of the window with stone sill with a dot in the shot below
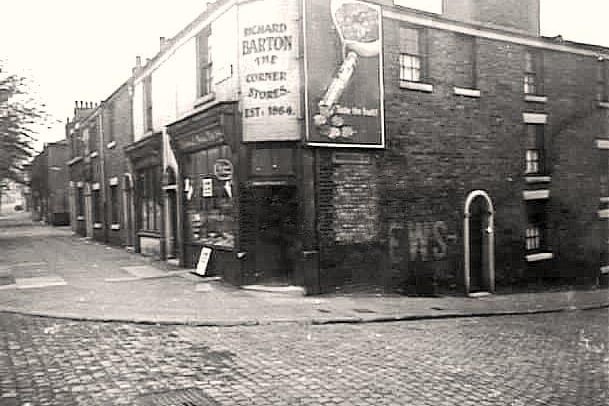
(602, 81)
(465, 62)
(533, 73)
(204, 63)
(535, 150)
(536, 230)
(412, 56)
(114, 205)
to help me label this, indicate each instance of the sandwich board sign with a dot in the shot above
(203, 261)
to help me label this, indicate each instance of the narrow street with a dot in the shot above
(537, 359)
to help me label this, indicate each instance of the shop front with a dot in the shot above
(206, 203)
(145, 156)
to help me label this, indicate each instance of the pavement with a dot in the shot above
(48, 271)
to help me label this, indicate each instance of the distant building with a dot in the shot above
(12, 197)
(346, 144)
(49, 184)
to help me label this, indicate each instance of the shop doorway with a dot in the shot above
(479, 243)
(172, 200)
(276, 233)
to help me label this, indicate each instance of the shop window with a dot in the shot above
(466, 62)
(211, 214)
(535, 153)
(602, 93)
(149, 189)
(533, 79)
(412, 61)
(204, 63)
(536, 230)
(147, 88)
(114, 205)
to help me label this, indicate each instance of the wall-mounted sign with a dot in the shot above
(203, 261)
(223, 169)
(344, 72)
(270, 70)
(207, 187)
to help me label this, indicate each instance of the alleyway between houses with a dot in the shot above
(220, 345)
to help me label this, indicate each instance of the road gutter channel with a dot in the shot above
(312, 321)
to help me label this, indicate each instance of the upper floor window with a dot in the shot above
(412, 61)
(466, 62)
(148, 103)
(204, 63)
(604, 172)
(535, 150)
(602, 79)
(533, 78)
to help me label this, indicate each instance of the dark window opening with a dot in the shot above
(114, 205)
(204, 63)
(536, 230)
(466, 62)
(535, 150)
(533, 73)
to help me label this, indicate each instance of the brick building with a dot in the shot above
(49, 184)
(101, 192)
(350, 144)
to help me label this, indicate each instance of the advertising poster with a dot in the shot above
(344, 75)
(270, 70)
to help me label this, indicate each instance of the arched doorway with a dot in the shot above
(479, 243)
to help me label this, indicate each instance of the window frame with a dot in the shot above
(147, 105)
(602, 81)
(536, 146)
(470, 43)
(533, 73)
(204, 63)
(115, 211)
(536, 230)
(420, 55)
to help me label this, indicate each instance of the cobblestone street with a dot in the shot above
(554, 359)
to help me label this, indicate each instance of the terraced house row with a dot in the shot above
(350, 144)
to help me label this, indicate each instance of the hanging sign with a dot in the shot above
(203, 261)
(223, 169)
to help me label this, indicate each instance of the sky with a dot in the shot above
(84, 49)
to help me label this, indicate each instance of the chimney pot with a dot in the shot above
(138, 61)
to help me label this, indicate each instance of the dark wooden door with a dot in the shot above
(276, 228)
(477, 224)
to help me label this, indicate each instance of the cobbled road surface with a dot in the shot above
(547, 359)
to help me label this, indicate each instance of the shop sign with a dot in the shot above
(203, 261)
(270, 70)
(223, 169)
(344, 73)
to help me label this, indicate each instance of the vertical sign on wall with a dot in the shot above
(344, 73)
(269, 67)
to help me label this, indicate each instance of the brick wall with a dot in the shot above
(117, 127)
(441, 147)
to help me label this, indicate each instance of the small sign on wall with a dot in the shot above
(203, 261)
(208, 187)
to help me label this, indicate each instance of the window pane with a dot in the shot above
(409, 41)
(410, 68)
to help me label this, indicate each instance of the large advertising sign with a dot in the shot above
(270, 70)
(344, 73)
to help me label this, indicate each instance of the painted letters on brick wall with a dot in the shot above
(270, 75)
(343, 40)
